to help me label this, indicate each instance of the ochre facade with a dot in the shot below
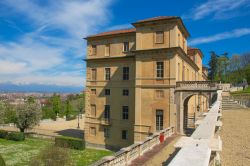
(131, 77)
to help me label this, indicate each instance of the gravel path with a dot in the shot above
(235, 135)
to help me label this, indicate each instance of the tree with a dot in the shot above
(222, 65)
(2, 111)
(27, 115)
(212, 66)
(31, 99)
(68, 110)
(56, 103)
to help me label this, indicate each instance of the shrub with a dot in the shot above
(52, 156)
(3, 133)
(69, 142)
(2, 163)
(15, 136)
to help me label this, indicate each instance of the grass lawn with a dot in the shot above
(242, 92)
(20, 153)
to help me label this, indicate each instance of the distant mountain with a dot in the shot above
(9, 87)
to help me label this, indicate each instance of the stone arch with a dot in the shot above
(189, 114)
(180, 98)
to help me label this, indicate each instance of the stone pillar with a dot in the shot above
(181, 114)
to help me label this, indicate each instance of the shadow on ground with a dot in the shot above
(76, 133)
(171, 156)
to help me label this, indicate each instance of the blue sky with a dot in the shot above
(41, 40)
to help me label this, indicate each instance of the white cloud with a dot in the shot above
(41, 56)
(221, 36)
(8, 67)
(218, 9)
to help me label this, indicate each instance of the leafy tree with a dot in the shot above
(212, 66)
(68, 111)
(2, 111)
(222, 65)
(31, 99)
(27, 115)
(10, 114)
(56, 103)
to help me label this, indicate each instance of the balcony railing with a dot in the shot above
(105, 121)
(126, 155)
(196, 84)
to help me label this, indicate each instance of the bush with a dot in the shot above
(69, 142)
(15, 136)
(2, 163)
(3, 133)
(52, 156)
(70, 117)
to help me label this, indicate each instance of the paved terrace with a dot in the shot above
(203, 145)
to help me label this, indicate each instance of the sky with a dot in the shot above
(41, 41)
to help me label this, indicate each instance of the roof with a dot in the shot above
(133, 30)
(192, 51)
(160, 18)
(114, 32)
(157, 18)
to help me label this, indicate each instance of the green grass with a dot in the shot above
(242, 92)
(20, 153)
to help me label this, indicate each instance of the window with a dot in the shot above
(126, 46)
(125, 112)
(107, 92)
(107, 73)
(159, 120)
(93, 77)
(124, 134)
(159, 37)
(93, 49)
(159, 70)
(93, 91)
(93, 110)
(93, 131)
(106, 132)
(125, 92)
(107, 50)
(125, 73)
(107, 112)
(159, 94)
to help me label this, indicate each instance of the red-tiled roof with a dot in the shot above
(114, 32)
(191, 51)
(157, 18)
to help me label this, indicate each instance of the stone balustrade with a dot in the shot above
(204, 145)
(126, 155)
(196, 84)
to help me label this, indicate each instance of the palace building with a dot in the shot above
(131, 80)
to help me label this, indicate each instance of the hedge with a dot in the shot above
(3, 133)
(2, 163)
(70, 142)
(15, 136)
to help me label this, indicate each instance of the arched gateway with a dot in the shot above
(184, 91)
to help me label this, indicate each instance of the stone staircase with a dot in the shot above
(229, 104)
